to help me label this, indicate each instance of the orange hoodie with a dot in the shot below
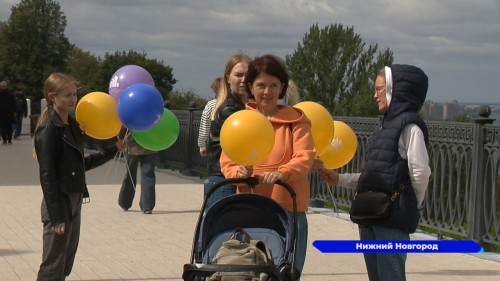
(292, 155)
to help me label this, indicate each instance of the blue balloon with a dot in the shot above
(140, 107)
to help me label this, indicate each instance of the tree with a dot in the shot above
(162, 75)
(462, 117)
(182, 100)
(333, 66)
(85, 67)
(34, 44)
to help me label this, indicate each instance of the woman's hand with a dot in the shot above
(244, 172)
(329, 176)
(271, 177)
(121, 144)
(317, 165)
(59, 228)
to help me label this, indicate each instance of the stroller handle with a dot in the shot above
(251, 182)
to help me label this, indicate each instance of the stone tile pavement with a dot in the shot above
(118, 245)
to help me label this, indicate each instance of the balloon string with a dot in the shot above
(120, 154)
(128, 171)
(127, 135)
(117, 156)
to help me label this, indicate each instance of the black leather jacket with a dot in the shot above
(59, 150)
(232, 104)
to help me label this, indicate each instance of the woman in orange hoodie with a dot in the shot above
(293, 152)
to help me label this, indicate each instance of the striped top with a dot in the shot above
(205, 124)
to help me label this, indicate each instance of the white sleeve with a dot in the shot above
(349, 180)
(204, 130)
(412, 147)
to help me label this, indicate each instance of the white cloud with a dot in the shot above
(457, 42)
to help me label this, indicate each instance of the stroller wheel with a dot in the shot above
(286, 272)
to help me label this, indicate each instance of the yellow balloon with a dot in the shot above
(321, 124)
(247, 137)
(97, 115)
(342, 148)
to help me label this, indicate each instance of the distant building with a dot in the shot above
(448, 111)
(440, 111)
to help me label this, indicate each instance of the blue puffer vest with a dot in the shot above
(385, 170)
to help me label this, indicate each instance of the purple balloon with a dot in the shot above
(126, 76)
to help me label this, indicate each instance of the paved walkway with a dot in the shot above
(118, 245)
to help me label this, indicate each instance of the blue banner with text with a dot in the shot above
(397, 246)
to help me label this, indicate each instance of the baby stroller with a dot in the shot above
(261, 217)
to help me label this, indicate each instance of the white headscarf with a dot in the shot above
(388, 84)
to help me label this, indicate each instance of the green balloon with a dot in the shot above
(162, 135)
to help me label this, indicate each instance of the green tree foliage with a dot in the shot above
(462, 117)
(85, 67)
(182, 100)
(33, 44)
(335, 67)
(162, 75)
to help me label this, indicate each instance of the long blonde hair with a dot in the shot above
(292, 96)
(53, 85)
(225, 88)
(56, 82)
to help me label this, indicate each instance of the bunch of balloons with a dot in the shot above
(342, 147)
(133, 102)
(321, 124)
(335, 141)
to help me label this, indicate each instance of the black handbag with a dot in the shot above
(371, 205)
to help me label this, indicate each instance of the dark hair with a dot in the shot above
(268, 64)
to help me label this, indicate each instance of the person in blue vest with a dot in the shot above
(396, 157)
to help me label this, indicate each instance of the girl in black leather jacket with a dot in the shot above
(231, 97)
(59, 151)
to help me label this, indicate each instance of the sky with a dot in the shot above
(456, 42)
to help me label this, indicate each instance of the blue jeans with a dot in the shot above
(221, 192)
(17, 126)
(381, 266)
(302, 233)
(148, 181)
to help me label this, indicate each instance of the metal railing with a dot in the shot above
(463, 196)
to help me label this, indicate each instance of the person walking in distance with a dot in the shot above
(21, 112)
(147, 158)
(7, 112)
